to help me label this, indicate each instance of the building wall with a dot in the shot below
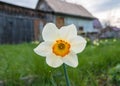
(87, 24)
(15, 29)
(79, 22)
(19, 24)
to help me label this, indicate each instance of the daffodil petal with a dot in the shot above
(50, 32)
(78, 44)
(68, 31)
(71, 59)
(43, 49)
(53, 60)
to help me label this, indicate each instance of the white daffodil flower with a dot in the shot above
(60, 45)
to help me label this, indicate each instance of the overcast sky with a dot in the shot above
(101, 9)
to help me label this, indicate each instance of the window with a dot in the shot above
(81, 28)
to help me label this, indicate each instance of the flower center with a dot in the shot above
(61, 48)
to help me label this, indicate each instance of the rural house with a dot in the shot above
(20, 24)
(64, 13)
(109, 32)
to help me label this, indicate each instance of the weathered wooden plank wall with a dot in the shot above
(15, 29)
(17, 24)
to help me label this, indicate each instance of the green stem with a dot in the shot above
(66, 75)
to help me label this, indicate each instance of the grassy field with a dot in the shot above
(20, 66)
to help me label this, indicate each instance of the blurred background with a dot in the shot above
(21, 25)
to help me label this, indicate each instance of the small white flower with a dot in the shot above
(60, 45)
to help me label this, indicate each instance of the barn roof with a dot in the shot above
(57, 6)
(63, 7)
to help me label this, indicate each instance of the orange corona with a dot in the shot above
(61, 48)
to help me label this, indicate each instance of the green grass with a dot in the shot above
(20, 66)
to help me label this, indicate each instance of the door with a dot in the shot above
(59, 21)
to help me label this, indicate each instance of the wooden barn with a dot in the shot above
(20, 24)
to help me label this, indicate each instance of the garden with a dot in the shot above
(99, 65)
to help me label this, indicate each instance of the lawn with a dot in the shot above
(20, 66)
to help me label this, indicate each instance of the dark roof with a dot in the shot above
(63, 7)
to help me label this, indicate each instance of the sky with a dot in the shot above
(102, 9)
